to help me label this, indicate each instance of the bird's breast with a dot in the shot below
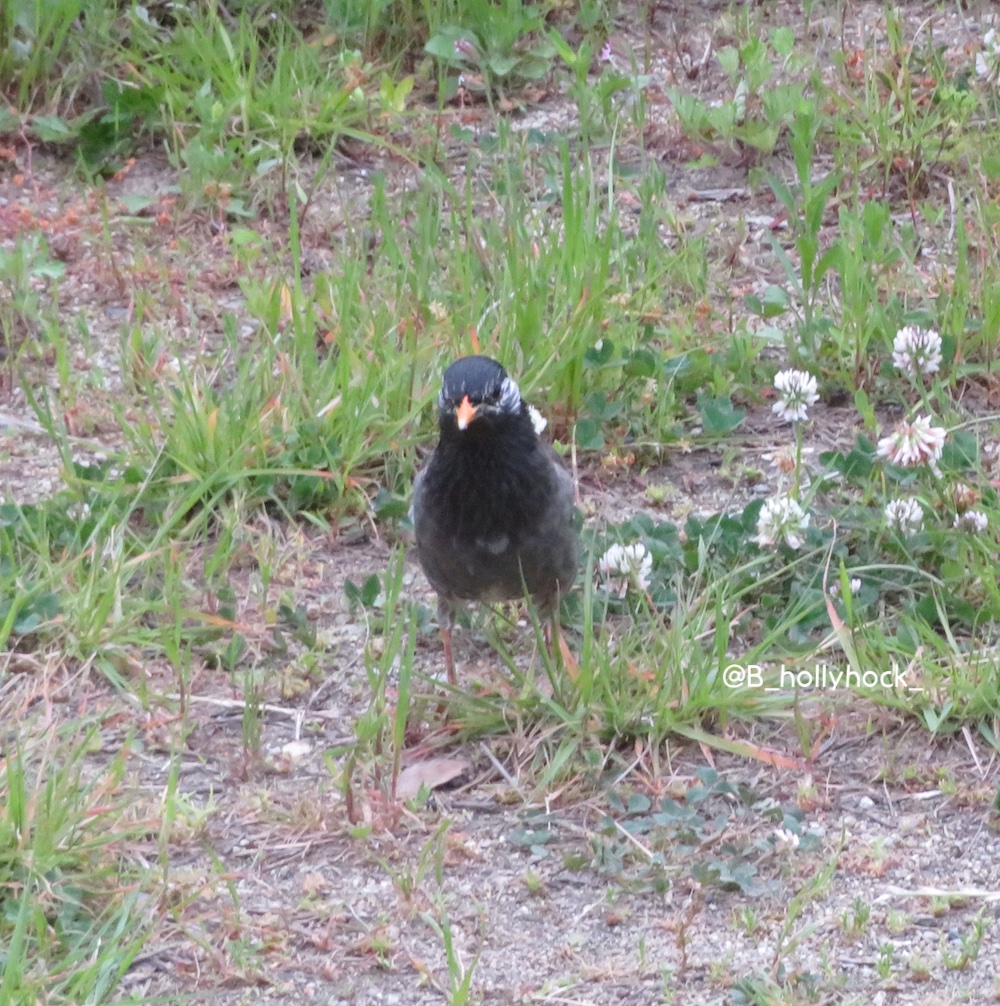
(490, 524)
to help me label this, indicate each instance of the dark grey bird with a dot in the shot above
(493, 508)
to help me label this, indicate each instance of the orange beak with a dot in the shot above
(465, 413)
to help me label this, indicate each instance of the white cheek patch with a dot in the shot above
(509, 399)
(538, 421)
(510, 396)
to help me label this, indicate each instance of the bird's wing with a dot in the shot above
(417, 498)
(565, 486)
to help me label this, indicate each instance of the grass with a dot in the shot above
(340, 230)
(72, 923)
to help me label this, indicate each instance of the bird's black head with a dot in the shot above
(477, 390)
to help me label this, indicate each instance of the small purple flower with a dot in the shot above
(466, 49)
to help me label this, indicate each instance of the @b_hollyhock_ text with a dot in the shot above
(819, 677)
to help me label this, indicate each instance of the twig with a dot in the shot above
(937, 892)
(511, 781)
(205, 700)
(646, 852)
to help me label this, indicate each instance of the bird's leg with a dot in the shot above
(554, 640)
(444, 623)
(449, 661)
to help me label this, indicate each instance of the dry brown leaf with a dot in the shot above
(431, 773)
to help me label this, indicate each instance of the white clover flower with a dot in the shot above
(781, 517)
(538, 421)
(904, 515)
(79, 510)
(798, 391)
(972, 520)
(911, 444)
(854, 585)
(916, 351)
(988, 61)
(625, 566)
(437, 310)
(785, 839)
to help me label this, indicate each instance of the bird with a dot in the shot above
(493, 508)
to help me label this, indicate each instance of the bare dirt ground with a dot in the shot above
(892, 824)
(277, 899)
